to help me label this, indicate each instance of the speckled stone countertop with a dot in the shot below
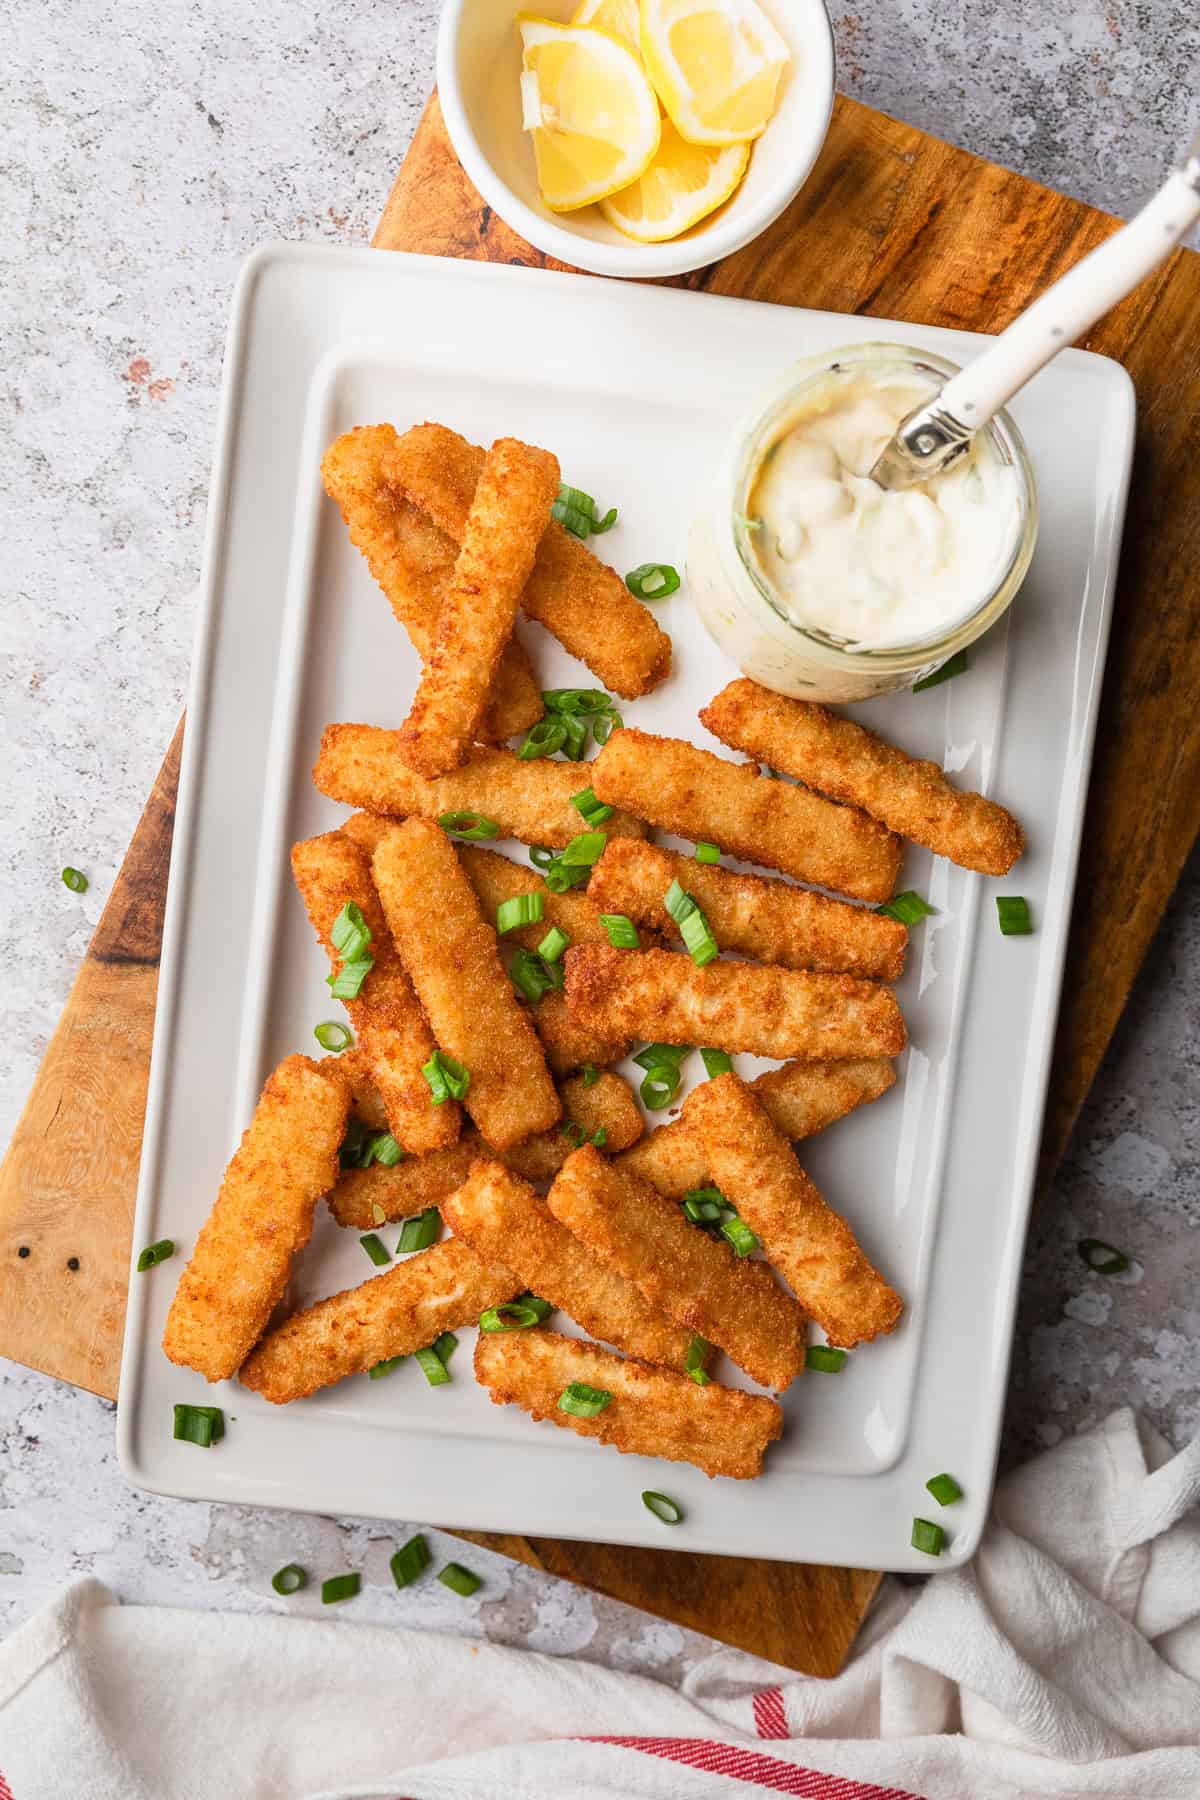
(146, 149)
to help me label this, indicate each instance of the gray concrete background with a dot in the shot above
(144, 149)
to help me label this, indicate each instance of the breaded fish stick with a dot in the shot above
(451, 953)
(496, 878)
(653, 1412)
(663, 996)
(811, 1245)
(262, 1216)
(360, 765)
(508, 515)
(847, 762)
(800, 1099)
(390, 1315)
(606, 1106)
(365, 1198)
(502, 1218)
(413, 561)
(578, 598)
(569, 1042)
(769, 920)
(330, 871)
(703, 797)
(696, 1280)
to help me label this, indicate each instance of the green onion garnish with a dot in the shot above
(349, 934)
(385, 1150)
(203, 1425)
(559, 877)
(553, 944)
(824, 1358)
(593, 811)
(346, 984)
(575, 736)
(692, 923)
(522, 909)
(604, 724)
(514, 1315)
(472, 826)
(944, 1489)
(707, 853)
(622, 932)
(582, 1401)
(716, 1062)
(663, 1507)
(586, 701)
(434, 1369)
(928, 1537)
(577, 511)
(155, 1253)
(445, 1346)
(446, 1077)
(378, 1370)
(654, 1054)
(461, 1580)
(652, 581)
(955, 665)
(376, 1249)
(419, 1232)
(531, 976)
(660, 1086)
(543, 739)
(599, 1137)
(290, 1579)
(340, 1587)
(541, 1307)
(590, 1074)
(584, 850)
(739, 1236)
(908, 907)
(1106, 1259)
(704, 1206)
(361, 1147)
(573, 1132)
(1014, 915)
(410, 1561)
(695, 1357)
(540, 857)
(75, 879)
(332, 1035)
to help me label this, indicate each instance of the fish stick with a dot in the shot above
(360, 765)
(365, 1198)
(413, 562)
(605, 1106)
(769, 920)
(392, 1314)
(849, 763)
(800, 1099)
(664, 997)
(811, 1245)
(697, 795)
(570, 1042)
(502, 1219)
(509, 512)
(331, 871)
(579, 599)
(262, 1216)
(452, 955)
(354, 1065)
(496, 878)
(653, 1411)
(696, 1280)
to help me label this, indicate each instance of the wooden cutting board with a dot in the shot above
(891, 223)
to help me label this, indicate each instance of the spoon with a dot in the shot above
(932, 437)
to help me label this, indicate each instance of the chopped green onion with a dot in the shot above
(378, 1370)
(707, 853)
(944, 1489)
(590, 1074)
(1014, 915)
(559, 877)
(695, 1357)
(541, 1307)
(604, 724)
(155, 1253)
(824, 1358)
(540, 857)
(472, 826)
(678, 902)
(385, 1150)
(573, 1132)
(908, 907)
(445, 1346)
(703, 1210)
(652, 581)
(663, 1507)
(582, 1401)
(584, 850)
(376, 1249)
(530, 976)
(378, 1213)
(599, 1137)
(361, 1147)
(434, 1369)
(75, 879)
(716, 1062)
(349, 934)
(290, 1579)
(521, 909)
(1106, 1259)
(660, 1086)
(553, 944)
(331, 1035)
(340, 1587)
(577, 512)
(461, 1580)
(653, 1054)
(410, 1561)
(575, 736)
(928, 1537)
(577, 700)
(446, 1077)
(698, 937)
(622, 932)
(954, 665)
(419, 1232)
(712, 1195)
(738, 1235)
(593, 811)
(514, 1315)
(203, 1425)
(346, 984)
(543, 739)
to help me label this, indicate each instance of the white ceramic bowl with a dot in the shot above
(478, 70)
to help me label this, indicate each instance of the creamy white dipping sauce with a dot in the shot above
(874, 568)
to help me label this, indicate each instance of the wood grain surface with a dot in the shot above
(893, 224)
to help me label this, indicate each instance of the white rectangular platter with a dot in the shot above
(635, 389)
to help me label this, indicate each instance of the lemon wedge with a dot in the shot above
(618, 17)
(715, 65)
(683, 184)
(591, 112)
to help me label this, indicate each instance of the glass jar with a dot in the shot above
(748, 617)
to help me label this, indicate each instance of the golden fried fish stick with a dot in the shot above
(604, 1108)
(451, 953)
(811, 1245)
(800, 1099)
(700, 796)
(354, 1065)
(663, 996)
(262, 1216)
(360, 766)
(653, 1411)
(570, 1042)
(365, 1198)
(756, 915)
(331, 871)
(696, 1280)
(390, 1315)
(413, 561)
(502, 1219)
(847, 762)
(496, 878)
(508, 515)
(579, 599)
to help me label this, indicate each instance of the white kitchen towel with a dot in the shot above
(1064, 1661)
